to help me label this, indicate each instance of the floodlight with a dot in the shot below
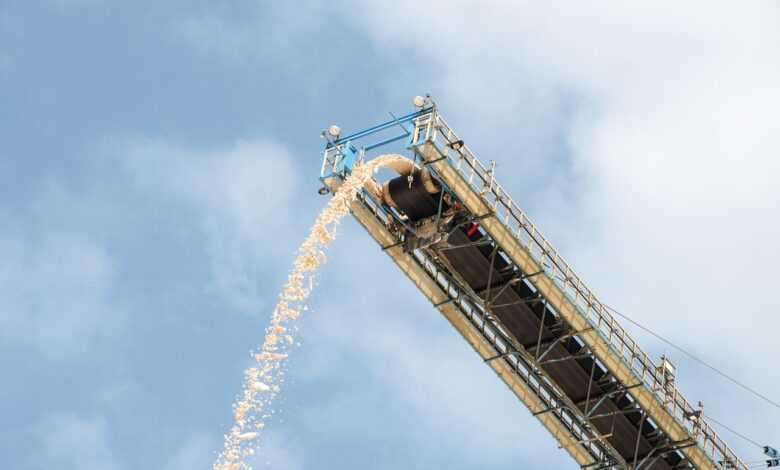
(334, 131)
(419, 101)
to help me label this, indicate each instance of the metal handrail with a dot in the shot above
(482, 179)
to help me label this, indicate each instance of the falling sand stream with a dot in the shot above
(262, 380)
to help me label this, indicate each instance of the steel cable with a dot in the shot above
(697, 359)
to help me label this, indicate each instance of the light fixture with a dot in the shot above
(419, 101)
(693, 415)
(323, 190)
(457, 144)
(334, 131)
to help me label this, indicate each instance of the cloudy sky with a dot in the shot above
(158, 167)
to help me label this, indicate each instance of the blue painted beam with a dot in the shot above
(381, 127)
(387, 141)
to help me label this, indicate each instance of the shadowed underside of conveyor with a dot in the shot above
(464, 243)
(485, 269)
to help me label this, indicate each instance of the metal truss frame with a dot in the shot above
(462, 307)
(476, 186)
(580, 315)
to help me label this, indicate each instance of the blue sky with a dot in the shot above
(158, 167)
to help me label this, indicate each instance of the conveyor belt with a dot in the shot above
(472, 264)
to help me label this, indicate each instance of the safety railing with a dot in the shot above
(432, 128)
(330, 160)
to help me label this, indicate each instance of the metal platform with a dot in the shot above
(523, 309)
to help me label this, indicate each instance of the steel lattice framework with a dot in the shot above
(624, 411)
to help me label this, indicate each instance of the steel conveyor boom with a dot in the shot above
(454, 231)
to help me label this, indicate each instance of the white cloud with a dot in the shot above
(238, 197)
(119, 396)
(70, 440)
(67, 440)
(195, 451)
(278, 451)
(258, 32)
(57, 282)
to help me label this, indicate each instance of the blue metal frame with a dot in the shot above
(386, 125)
(348, 153)
(387, 141)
